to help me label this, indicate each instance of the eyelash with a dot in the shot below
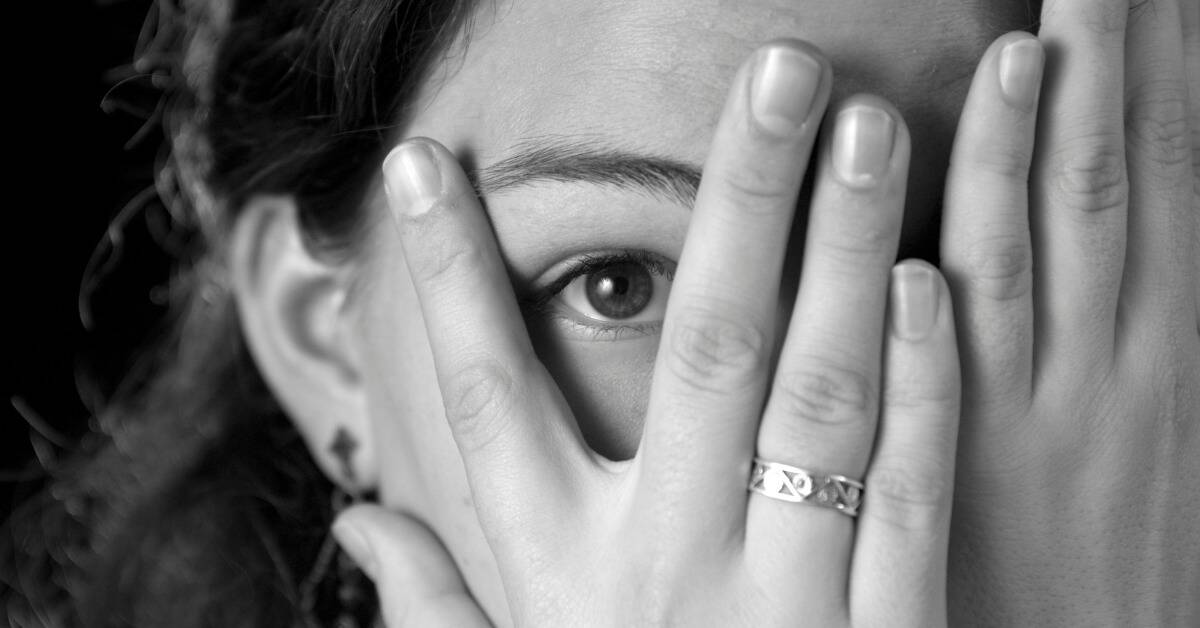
(541, 301)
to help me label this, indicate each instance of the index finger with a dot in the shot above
(511, 425)
(417, 580)
(1078, 185)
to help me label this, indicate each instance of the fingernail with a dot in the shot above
(411, 178)
(1021, 72)
(862, 145)
(914, 301)
(355, 544)
(783, 89)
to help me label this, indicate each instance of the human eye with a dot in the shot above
(609, 295)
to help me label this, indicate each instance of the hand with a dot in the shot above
(418, 584)
(673, 536)
(1072, 252)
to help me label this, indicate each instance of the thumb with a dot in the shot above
(417, 581)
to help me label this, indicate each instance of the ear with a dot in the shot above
(293, 310)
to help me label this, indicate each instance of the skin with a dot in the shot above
(359, 351)
(599, 71)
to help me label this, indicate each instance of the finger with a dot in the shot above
(898, 574)
(1162, 238)
(417, 580)
(501, 405)
(710, 374)
(1190, 11)
(986, 251)
(1078, 186)
(823, 406)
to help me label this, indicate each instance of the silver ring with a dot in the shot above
(793, 484)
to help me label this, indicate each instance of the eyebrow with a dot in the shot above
(579, 161)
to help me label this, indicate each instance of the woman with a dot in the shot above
(579, 451)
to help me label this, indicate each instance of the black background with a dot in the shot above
(70, 173)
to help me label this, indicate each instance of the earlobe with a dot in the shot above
(293, 311)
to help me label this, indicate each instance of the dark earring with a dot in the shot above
(334, 573)
(355, 592)
(343, 447)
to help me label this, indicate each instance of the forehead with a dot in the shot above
(653, 75)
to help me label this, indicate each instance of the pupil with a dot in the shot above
(620, 290)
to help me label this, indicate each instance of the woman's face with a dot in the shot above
(587, 124)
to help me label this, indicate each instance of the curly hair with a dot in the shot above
(195, 502)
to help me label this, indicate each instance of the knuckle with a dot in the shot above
(478, 400)
(449, 260)
(1156, 122)
(753, 189)
(912, 501)
(1196, 164)
(1003, 160)
(826, 393)
(852, 249)
(1000, 267)
(1196, 157)
(925, 397)
(1090, 177)
(1105, 19)
(715, 353)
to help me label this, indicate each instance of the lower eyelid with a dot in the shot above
(546, 305)
(604, 331)
(574, 297)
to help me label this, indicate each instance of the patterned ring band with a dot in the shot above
(792, 484)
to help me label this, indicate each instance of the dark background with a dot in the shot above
(74, 105)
